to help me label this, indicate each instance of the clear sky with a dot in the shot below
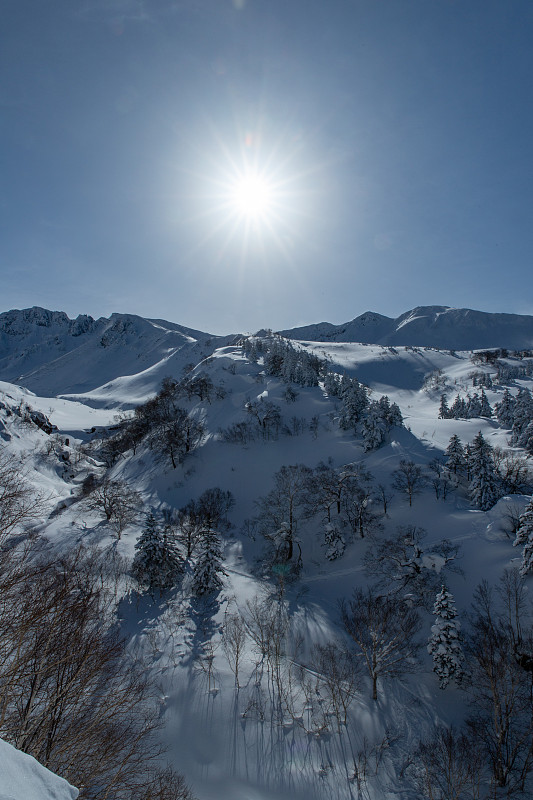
(391, 141)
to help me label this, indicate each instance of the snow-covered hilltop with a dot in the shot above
(427, 326)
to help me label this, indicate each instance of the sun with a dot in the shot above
(252, 196)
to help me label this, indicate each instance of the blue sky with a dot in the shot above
(396, 135)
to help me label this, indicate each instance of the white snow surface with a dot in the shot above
(23, 778)
(225, 739)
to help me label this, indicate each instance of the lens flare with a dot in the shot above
(252, 196)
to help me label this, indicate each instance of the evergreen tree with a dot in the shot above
(526, 438)
(444, 411)
(485, 410)
(332, 384)
(390, 412)
(456, 461)
(505, 409)
(485, 482)
(473, 407)
(523, 415)
(458, 409)
(524, 536)
(157, 563)
(444, 643)
(373, 427)
(354, 401)
(208, 569)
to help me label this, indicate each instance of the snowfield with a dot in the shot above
(272, 736)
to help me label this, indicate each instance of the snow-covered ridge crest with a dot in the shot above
(51, 354)
(441, 327)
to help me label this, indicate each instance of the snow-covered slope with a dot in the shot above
(428, 326)
(249, 741)
(51, 354)
(23, 778)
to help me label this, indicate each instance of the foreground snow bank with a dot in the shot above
(23, 778)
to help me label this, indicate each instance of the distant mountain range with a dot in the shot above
(427, 326)
(49, 353)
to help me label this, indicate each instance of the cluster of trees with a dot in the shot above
(192, 535)
(371, 419)
(524, 537)
(69, 694)
(516, 413)
(491, 662)
(265, 421)
(343, 499)
(282, 359)
(509, 373)
(480, 378)
(465, 408)
(491, 472)
(168, 429)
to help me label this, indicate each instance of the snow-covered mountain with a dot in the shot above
(49, 353)
(273, 734)
(427, 326)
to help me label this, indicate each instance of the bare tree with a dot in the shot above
(357, 505)
(281, 510)
(199, 516)
(166, 784)
(408, 479)
(385, 496)
(119, 504)
(383, 630)
(404, 564)
(339, 675)
(20, 504)
(233, 641)
(448, 765)
(500, 664)
(69, 696)
(514, 469)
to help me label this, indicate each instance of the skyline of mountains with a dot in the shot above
(50, 353)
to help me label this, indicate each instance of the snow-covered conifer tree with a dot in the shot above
(455, 454)
(523, 415)
(458, 409)
(485, 410)
(373, 427)
(157, 563)
(444, 643)
(354, 401)
(505, 409)
(444, 411)
(473, 406)
(524, 536)
(208, 569)
(485, 484)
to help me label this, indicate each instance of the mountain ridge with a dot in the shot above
(51, 354)
(443, 327)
